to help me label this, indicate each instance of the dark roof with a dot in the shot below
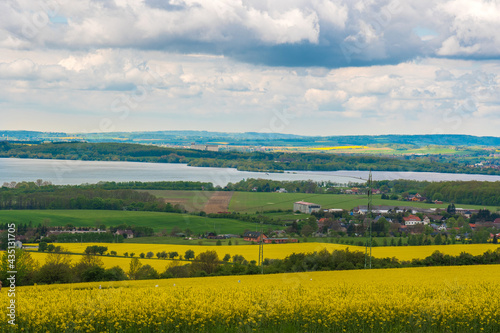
(251, 234)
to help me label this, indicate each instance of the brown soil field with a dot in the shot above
(218, 202)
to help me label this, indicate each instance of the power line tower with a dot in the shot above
(261, 250)
(368, 260)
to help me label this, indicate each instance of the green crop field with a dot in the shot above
(155, 220)
(251, 202)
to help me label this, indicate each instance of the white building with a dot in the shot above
(306, 207)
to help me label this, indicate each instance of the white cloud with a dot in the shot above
(237, 62)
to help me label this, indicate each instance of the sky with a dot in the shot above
(309, 67)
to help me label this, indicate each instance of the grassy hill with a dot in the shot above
(157, 221)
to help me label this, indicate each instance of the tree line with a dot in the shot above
(58, 267)
(27, 195)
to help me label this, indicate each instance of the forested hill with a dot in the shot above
(255, 138)
(256, 161)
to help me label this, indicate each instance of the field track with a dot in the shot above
(218, 202)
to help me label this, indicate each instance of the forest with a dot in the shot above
(469, 192)
(256, 161)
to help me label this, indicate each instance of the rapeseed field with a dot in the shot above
(427, 299)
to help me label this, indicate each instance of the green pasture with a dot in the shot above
(157, 221)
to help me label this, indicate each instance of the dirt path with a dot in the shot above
(218, 202)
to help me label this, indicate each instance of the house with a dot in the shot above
(412, 220)
(438, 227)
(306, 207)
(281, 190)
(254, 236)
(437, 218)
(125, 233)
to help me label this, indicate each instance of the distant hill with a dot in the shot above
(253, 138)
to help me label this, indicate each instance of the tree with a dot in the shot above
(226, 258)
(189, 254)
(135, 264)
(146, 272)
(437, 197)
(57, 269)
(42, 247)
(307, 230)
(142, 255)
(25, 266)
(218, 242)
(173, 255)
(451, 209)
(149, 255)
(438, 240)
(207, 261)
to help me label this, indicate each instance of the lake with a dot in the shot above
(75, 172)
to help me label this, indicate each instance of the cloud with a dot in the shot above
(329, 33)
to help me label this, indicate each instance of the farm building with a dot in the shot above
(412, 220)
(306, 207)
(254, 236)
(279, 240)
(125, 233)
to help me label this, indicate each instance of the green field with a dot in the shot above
(251, 202)
(157, 221)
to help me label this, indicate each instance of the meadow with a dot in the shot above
(426, 299)
(251, 202)
(156, 220)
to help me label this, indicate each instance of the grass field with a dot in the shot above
(251, 202)
(157, 221)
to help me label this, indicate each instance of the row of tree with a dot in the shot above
(58, 267)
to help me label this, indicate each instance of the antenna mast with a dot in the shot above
(261, 250)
